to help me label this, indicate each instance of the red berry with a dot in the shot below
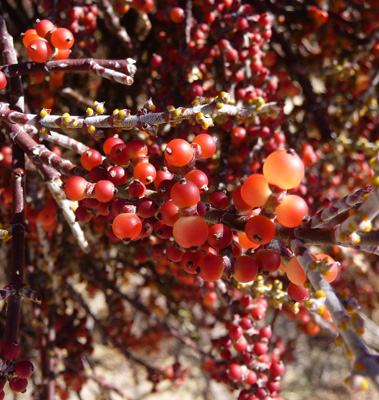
(10, 349)
(207, 144)
(190, 231)
(211, 267)
(24, 369)
(245, 269)
(62, 39)
(75, 188)
(220, 236)
(145, 172)
(29, 36)
(260, 229)
(234, 372)
(235, 331)
(177, 15)
(178, 152)
(39, 50)
(43, 27)
(18, 384)
(90, 159)
(127, 226)
(110, 142)
(284, 168)
(3, 80)
(268, 260)
(185, 193)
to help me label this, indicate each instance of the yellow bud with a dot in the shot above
(352, 227)
(338, 341)
(91, 128)
(321, 310)
(89, 111)
(375, 181)
(43, 113)
(219, 106)
(319, 294)
(176, 112)
(343, 236)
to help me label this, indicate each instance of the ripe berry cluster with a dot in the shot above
(47, 41)
(16, 373)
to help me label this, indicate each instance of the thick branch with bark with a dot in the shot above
(366, 362)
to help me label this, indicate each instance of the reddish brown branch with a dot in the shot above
(17, 265)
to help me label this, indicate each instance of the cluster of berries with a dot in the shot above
(41, 41)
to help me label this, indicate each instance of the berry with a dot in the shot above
(198, 177)
(295, 272)
(18, 384)
(185, 193)
(145, 172)
(255, 191)
(24, 369)
(190, 231)
(245, 269)
(127, 226)
(235, 331)
(234, 372)
(3, 80)
(110, 142)
(10, 349)
(220, 236)
(118, 154)
(291, 211)
(283, 168)
(104, 191)
(177, 15)
(75, 188)
(297, 293)
(29, 36)
(207, 144)
(178, 152)
(136, 148)
(211, 267)
(43, 27)
(39, 50)
(190, 260)
(90, 159)
(268, 260)
(62, 39)
(260, 229)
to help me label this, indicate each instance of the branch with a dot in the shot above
(38, 153)
(366, 362)
(340, 206)
(122, 118)
(113, 23)
(121, 71)
(17, 264)
(348, 231)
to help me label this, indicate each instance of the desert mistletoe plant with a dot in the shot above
(208, 168)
